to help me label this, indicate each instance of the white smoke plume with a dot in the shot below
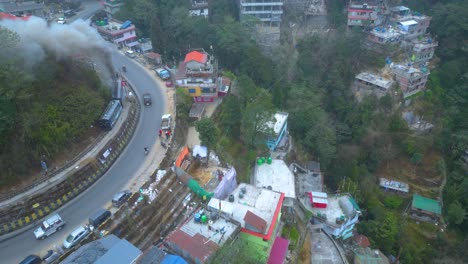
(67, 40)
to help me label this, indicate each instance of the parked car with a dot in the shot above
(49, 226)
(130, 53)
(99, 217)
(31, 259)
(75, 237)
(147, 99)
(163, 73)
(50, 256)
(120, 198)
(61, 20)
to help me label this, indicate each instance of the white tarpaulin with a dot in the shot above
(200, 151)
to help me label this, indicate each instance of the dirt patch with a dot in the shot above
(304, 254)
(202, 174)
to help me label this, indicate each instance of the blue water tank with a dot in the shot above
(126, 24)
(197, 218)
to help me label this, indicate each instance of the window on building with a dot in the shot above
(191, 91)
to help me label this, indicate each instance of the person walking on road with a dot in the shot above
(160, 132)
(168, 134)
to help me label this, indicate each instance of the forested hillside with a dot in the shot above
(44, 108)
(355, 142)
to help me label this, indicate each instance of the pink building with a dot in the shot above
(363, 15)
(411, 80)
(121, 33)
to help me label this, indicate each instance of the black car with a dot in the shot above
(99, 217)
(31, 259)
(147, 99)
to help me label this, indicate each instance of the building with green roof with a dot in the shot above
(425, 209)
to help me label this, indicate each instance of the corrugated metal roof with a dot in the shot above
(196, 56)
(198, 247)
(255, 221)
(426, 204)
(278, 251)
(172, 259)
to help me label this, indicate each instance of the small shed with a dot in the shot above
(318, 199)
(423, 208)
(153, 58)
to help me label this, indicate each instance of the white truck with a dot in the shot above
(51, 225)
(166, 122)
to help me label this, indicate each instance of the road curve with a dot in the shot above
(99, 195)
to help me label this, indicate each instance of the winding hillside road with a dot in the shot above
(119, 175)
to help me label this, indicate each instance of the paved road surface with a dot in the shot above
(99, 195)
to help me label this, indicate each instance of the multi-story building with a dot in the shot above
(414, 24)
(198, 73)
(199, 8)
(368, 83)
(410, 79)
(269, 12)
(112, 6)
(120, 33)
(363, 15)
(201, 235)
(277, 137)
(386, 35)
(258, 210)
(22, 8)
(423, 50)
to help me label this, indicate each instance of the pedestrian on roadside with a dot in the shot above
(160, 132)
(167, 134)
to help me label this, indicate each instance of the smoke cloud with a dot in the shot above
(38, 39)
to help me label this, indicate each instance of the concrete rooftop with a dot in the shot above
(192, 228)
(261, 202)
(374, 79)
(277, 175)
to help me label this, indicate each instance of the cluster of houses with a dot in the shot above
(398, 26)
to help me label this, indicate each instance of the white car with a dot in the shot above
(61, 20)
(49, 226)
(76, 236)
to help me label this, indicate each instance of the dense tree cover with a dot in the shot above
(207, 132)
(449, 97)
(43, 111)
(327, 122)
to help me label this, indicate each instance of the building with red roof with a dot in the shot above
(198, 73)
(196, 57)
(13, 17)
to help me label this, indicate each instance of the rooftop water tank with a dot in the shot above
(346, 206)
(197, 218)
(204, 219)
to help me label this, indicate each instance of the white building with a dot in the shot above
(277, 177)
(269, 12)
